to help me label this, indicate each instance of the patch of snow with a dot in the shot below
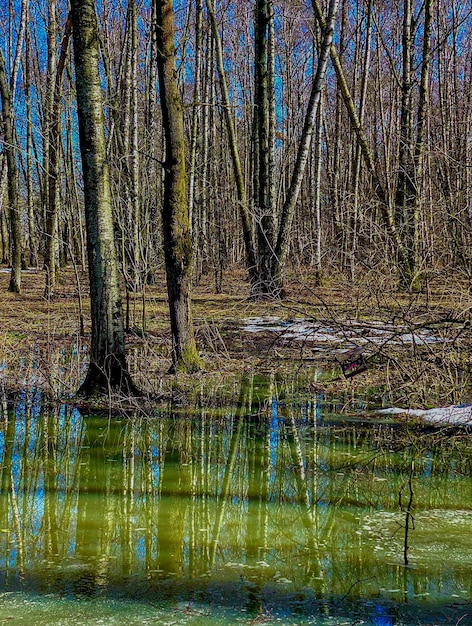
(31, 270)
(454, 415)
(372, 332)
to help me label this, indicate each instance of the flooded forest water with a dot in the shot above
(267, 508)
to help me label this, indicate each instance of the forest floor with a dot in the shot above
(414, 349)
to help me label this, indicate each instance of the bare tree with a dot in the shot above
(53, 170)
(107, 369)
(7, 93)
(175, 214)
(10, 149)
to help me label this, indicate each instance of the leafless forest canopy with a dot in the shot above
(388, 175)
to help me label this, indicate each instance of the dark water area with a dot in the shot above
(257, 509)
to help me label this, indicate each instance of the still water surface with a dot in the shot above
(261, 511)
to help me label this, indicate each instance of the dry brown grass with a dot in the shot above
(40, 340)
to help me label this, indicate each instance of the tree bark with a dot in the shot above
(54, 130)
(107, 369)
(9, 147)
(33, 244)
(175, 214)
(264, 208)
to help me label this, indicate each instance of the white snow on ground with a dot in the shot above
(31, 270)
(372, 332)
(454, 415)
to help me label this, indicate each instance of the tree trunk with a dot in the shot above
(406, 183)
(9, 147)
(288, 209)
(233, 144)
(107, 370)
(410, 162)
(54, 130)
(264, 208)
(175, 215)
(33, 244)
(316, 193)
(192, 188)
(354, 226)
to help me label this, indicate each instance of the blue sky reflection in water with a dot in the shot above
(264, 509)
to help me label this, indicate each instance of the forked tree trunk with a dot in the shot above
(107, 370)
(175, 214)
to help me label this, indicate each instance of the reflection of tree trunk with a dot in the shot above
(174, 498)
(198, 561)
(258, 452)
(150, 490)
(258, 486)
(306, 508)
(127, 502)
(50, 519)
(97, 519)
(244, 404)
(89, 505)
(237, 425)
(6, 483)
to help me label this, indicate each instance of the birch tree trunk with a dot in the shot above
(50, 146)
(293, 191)
(175, 214)
(233, 144)
(107, 370)
(33, 244)
(354, 226)
(192, 188)
(54, 130)
(405, 189)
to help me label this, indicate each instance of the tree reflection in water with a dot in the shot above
(265, 505)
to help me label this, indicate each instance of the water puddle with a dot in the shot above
(263, 511)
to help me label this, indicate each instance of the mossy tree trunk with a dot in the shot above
(107, 370)
(175, 213)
